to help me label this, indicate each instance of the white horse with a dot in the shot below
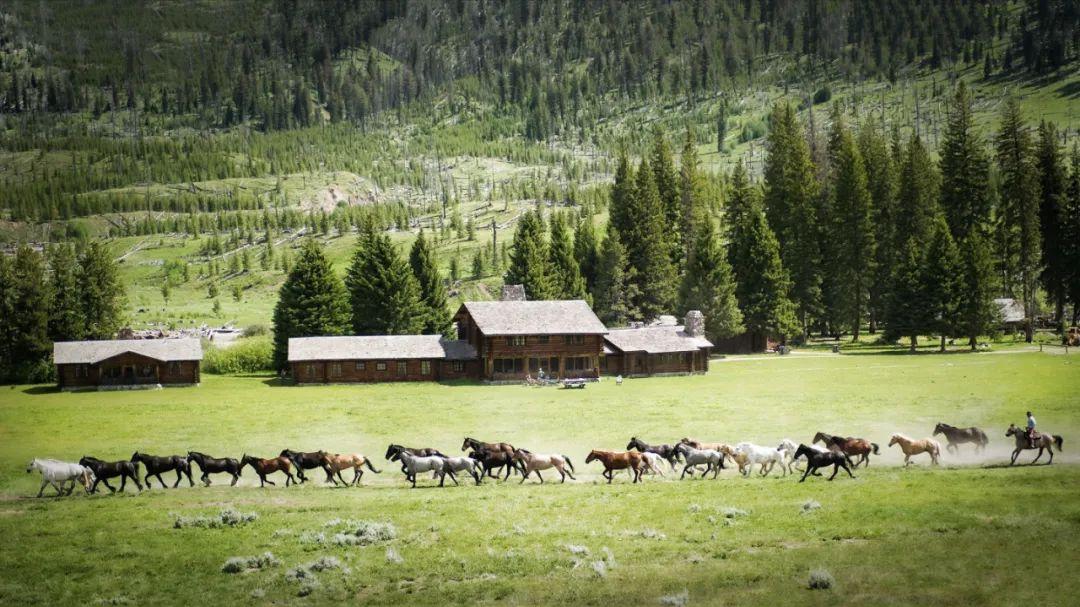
(790, 447)
(459, 464)
(766, 457)
(58, 473)
(712, 459)
(415, 464)
(535, 462)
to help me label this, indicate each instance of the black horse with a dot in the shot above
(307, 461)
(958, 436)
(155, 465)
(106, 470)
(491, 461)
(816, 459)
(667, 452)
(394, 449)
(213, 465)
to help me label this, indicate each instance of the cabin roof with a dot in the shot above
(89, 352)
(374, 347)
(660, 339)
(540, 317)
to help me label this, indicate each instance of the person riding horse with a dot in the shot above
(1032, 435)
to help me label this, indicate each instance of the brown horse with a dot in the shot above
(848, 446)
(700, 445)
(472, 443)
(958, 436)
(263, 467)
(337, 462)
(618, 460)
(1042, 442)
(911, 446)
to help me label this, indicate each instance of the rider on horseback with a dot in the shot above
(1031, 433)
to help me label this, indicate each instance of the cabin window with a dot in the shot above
(174, 368)
(543, 339)
(402, 368)
(509, 365)
(515, 340)
(380, 366)
(335, 370)
(578, 363)
(360, 366)
(82, 371)
(310, 370)
(576, 340)
(458, 366)
(425, 367)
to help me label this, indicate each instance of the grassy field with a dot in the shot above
(892, 536)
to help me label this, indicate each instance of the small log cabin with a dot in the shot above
(658, 350)
(127, 363)
(380, 358)
(512, 339)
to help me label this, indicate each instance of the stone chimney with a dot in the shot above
(513, 293)
(695, 323)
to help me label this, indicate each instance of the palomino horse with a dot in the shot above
(263, 467)
(911, 446)
(213, 465)
(1042, 442)
(665, 451)
(155, 465)
(741, 459)
(848, 446)
(816, 458)
(103, 471)
(535, 462)
(472, 443)
(58, 474)
(618, 460)
(306, 461)
(713, 460)
(337, 462)
(958, 436)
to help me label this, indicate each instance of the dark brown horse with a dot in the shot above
(213, 465)
(263, 467)
(106, 470)
(822, 459)
(490, 461)
(155, 465)
(307, 461)
(618, 460)
(668, 452)
(958, 436)
(849, 446)
(472, 443)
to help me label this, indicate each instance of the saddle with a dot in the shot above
(1034, 438)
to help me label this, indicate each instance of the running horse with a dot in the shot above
(618, 460)
(394, 451)
(336, 463)
(155, 465)
(492, 461)
(263, 467)
(307, 461)
(475, 445)
(958, 436)
(103, 471)
(848, 446)
(1042, 442)
(213, 465)
(668, 452)
(911, 446)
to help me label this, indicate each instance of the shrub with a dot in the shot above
(820, 580)
(228, 517)
(810, 506)
(362, 533)
(822, 95)
(677, 600)
(255, 331)
(251, 355)
(752, 129)
(237, 564)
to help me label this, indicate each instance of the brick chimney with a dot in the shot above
(695, 323)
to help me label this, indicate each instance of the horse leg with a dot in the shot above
(110, 487)
(684, 471)
(160, 480)
(608, 475)
(356, 477)
(835, 469)
(265, 480)
(539, 477)
(179, 476)
(42, 489)
(1015, 454)
(1038, 456)
(1050, 449)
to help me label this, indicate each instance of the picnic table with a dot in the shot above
(574, 383)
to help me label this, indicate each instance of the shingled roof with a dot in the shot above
(376, 347)
(90, 352)
(541, 317)
(655, 340)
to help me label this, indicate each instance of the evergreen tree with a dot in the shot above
(1071, 225)
(7, 310)
(311, 302)
(622, 196)
(647, 248)
(384, 294)
(615, 291)
(1052, 189)
(478, 264)
(709, 285)
(965, 170)
(882, 185)
(66, 321)
(586, 252)
(566, 275)
(529, 265)
(436, 316)
(667, 187)
(29, 324)
(976, 311)
(102, 293)
(908, 313)
(941, 281)
(721, 126)
(1019, 233)
(691, 195)
(917, 198)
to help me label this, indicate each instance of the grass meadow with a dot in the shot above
(972, 532)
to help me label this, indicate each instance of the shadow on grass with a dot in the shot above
(1018, 464)
(46, 389)
(279, 382)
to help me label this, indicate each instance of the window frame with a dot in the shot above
(380, 366)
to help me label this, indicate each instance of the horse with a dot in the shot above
(618, 460)
(307, 461)
(213, 465)
(472, 443)
(394, 449)
(848, 446)
(911, 447)
(713, 460)
(958, 436)
(665, 451)
(535, 462)
(740, 458)
(411, 464)
(337, 462)
(155, 465)
(700, 445)
(815, 458)
(58, 473)
(652, 463)
(496, 460)
(1042, 442)
(467, 464)
(791, 449)
(262, 467)
(765, 457)
(105, 470)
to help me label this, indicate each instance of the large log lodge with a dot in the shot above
(127, 363)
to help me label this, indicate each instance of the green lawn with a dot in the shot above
(892, 536)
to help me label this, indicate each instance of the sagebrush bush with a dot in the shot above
(820, 580)
(246, 355)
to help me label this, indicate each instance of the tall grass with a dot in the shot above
(247, 355)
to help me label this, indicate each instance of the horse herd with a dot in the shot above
(501, 460)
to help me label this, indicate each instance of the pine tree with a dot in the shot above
(965, 170)
(882, 184)
(437, 319)
(529, 265)
(976, 311)
(691, 196)
(312, 302)
(29, 325)
(237, 292)
(66, 321)
(941, 281)
(568, 282)
(908, 313)
(1052, 182)
(791, 192)
(917, 198)
(622, 195)
(7, 310)
(383, 292)
(709, 285)
(721, 126)
(1019, 231)
(647, 248)
(102, 293)
(667, 187)
(586, 252)
(478, 264)
(615, 292)
(1071, 225)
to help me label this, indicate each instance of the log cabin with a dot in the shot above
(658, 350)
(127, 363)
(380, 358)
(513, 339)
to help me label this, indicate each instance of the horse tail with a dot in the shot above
(874, 446)
(1058, 440)
(370, 467)
(571, 464)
